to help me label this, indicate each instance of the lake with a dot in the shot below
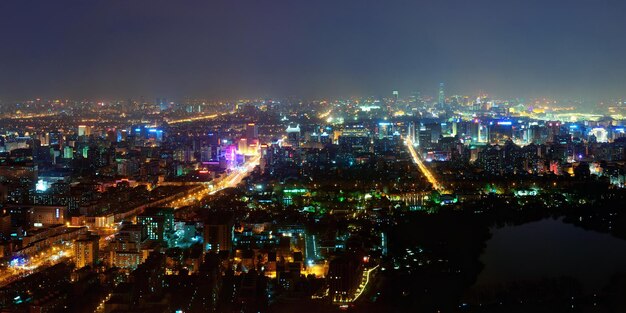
(550, 248)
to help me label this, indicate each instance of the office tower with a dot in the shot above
(86, 251)
(425, 137)
(395, 95)
(442, 96)
(411, 131)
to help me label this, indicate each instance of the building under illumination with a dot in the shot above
(86, 251)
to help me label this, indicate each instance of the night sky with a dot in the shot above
(274, 48)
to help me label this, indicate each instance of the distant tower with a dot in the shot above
(442, 96)
(394, 102)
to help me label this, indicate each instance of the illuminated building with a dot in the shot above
(242, 147)
(355, 139)
(154, 226)
(86, 251)
(103, 221)
(293, 135)
(47, 215)
(441, 101)
(125, 259)
(385, 130)
(158, 222)
(84, 130)
(68, 152)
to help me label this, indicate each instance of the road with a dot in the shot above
(365, 281)
(197, 118)
(56, 254)
(422, 167)
(232, 179)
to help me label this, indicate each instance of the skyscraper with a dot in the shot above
(442, 96)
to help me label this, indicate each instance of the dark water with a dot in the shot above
(548, 249)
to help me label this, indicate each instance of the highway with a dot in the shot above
(422, 167)
(232, 179)
(197, 118)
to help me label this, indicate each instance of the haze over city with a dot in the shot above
(316, 49)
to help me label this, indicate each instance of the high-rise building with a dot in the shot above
(166, 213)
(385, 130)
(84, 130)
(293, 135)
(86, 251)
(425, 137)
(242, 146)
(442, 96)
(355, 139)
(251, 131)
(219, 233)
(154, 224)
(68, 152)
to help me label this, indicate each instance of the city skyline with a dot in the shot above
(312, 156)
